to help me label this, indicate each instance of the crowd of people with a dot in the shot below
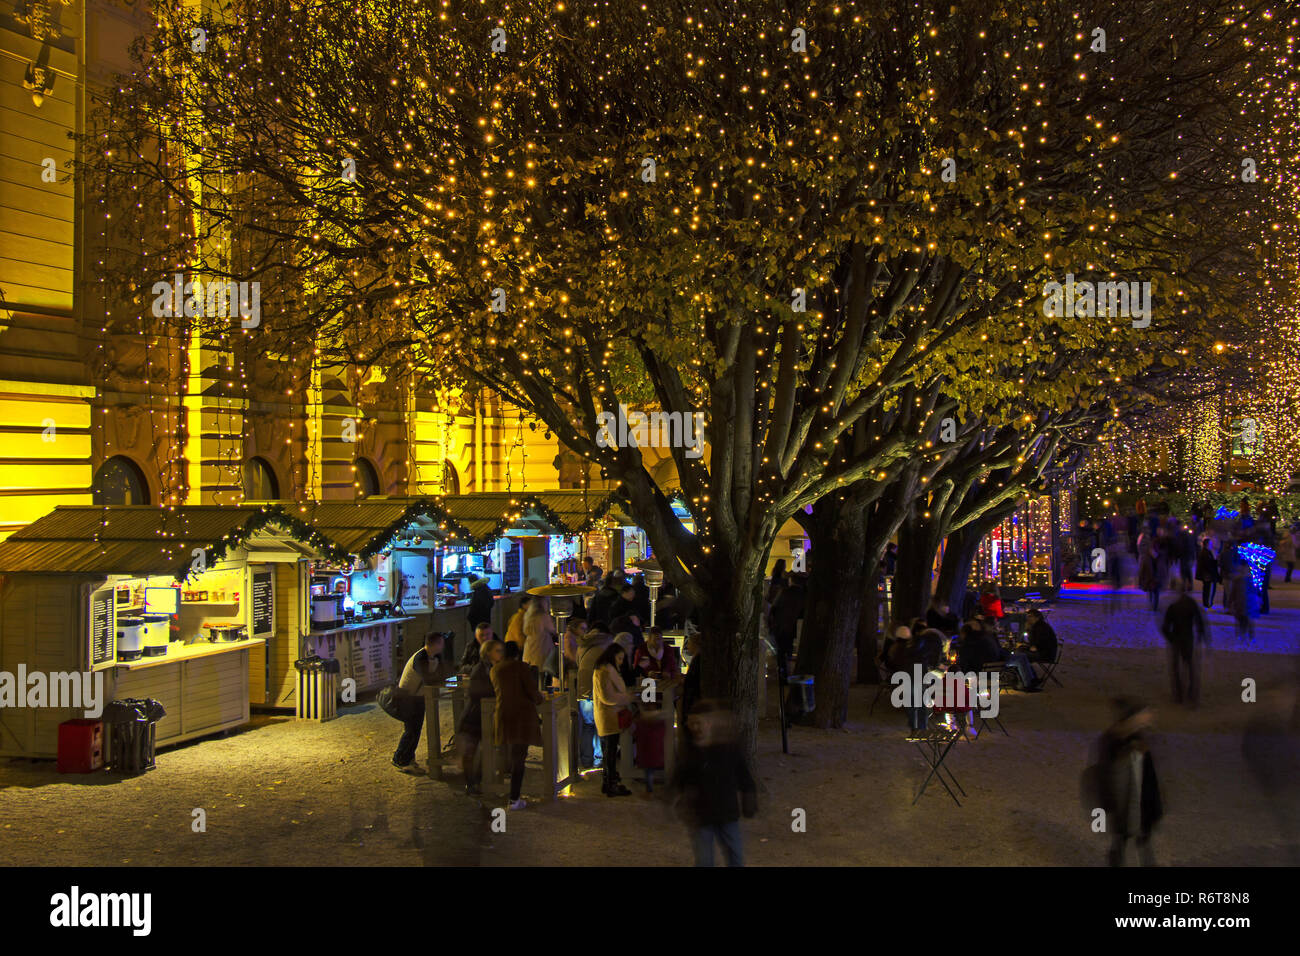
(1231, 552)
(624, 669)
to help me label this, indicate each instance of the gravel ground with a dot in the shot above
(286, 792)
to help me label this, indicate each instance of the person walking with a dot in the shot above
(1185, 632)
(612, 701)
(518, 724)
(1129, 790)
(1148, 579)
(469, 732)
(425, 666)
(590, 646)
(1286, 551)
(714, 785)
(1207, 571)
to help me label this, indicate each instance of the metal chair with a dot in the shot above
(1049, 667)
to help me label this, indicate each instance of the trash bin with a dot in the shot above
(801, 698)
(318, 688)
(132, 733)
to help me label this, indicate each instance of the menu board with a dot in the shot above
(263, 602)
(514, 576)
(414, 569)
(103, 636)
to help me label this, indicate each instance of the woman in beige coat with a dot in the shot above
(539, 633)
(610, 696)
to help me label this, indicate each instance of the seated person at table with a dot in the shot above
(1042, 639)
(940, 617)
(979, 647)
(929, 647)
(655, 658)
(482, 634)
(991, 602)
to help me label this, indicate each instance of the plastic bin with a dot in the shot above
(318, 688)
(133, 724)
(81, 745)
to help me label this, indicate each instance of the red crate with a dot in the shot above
(81, 745)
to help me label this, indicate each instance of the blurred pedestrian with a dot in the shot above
(714, 785)
(518, 724)
(1129, 790)
(540, 637)
(469, 732)
(1286, 552)
(482, 599)
(1207, 571)
(1185, 632)
(1148, 579)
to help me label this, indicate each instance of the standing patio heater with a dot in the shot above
(654, 579)
(564, 591)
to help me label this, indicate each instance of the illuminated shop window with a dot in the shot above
(120, 482)
(259, 481)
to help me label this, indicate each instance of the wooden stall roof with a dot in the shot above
(370, 525)
(139, 539)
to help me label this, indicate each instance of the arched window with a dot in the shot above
(259, 481)
(450, 480)
(367, 479)
(120, 482)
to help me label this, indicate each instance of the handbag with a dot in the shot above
(625, 718)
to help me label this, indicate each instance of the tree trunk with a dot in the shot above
(917, 543)
(869, 624)
(837, 534)
(730, 658)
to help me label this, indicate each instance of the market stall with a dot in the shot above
(1023, 553)
(196, 607)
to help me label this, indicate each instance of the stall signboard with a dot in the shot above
(598, 549)
(103, 633)
(514, 567)
(263, 602)
(414, 569)
(373, 583)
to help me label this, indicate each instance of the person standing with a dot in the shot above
(611, 699)
(515, 629)
(1148, 579)
(1286, 551)
(482, 599)
(469, 732)
(1185, 632)
(1207, 571)
(425, 666)
(540, 638)
(1129, 790)
(786, 613)
(591, 571)
(518, 724)
(714, 785)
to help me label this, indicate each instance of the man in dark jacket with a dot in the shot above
(602, 602)
(940, 617)
(482, 599)
(787, 610)
(482, 634)
(625, 605)
(714, 785)
(1042, 639)
(1184, 630)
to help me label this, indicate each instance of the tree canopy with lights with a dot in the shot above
(826, 226)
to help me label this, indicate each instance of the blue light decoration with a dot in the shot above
(1225, 512)
(1257, 558)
